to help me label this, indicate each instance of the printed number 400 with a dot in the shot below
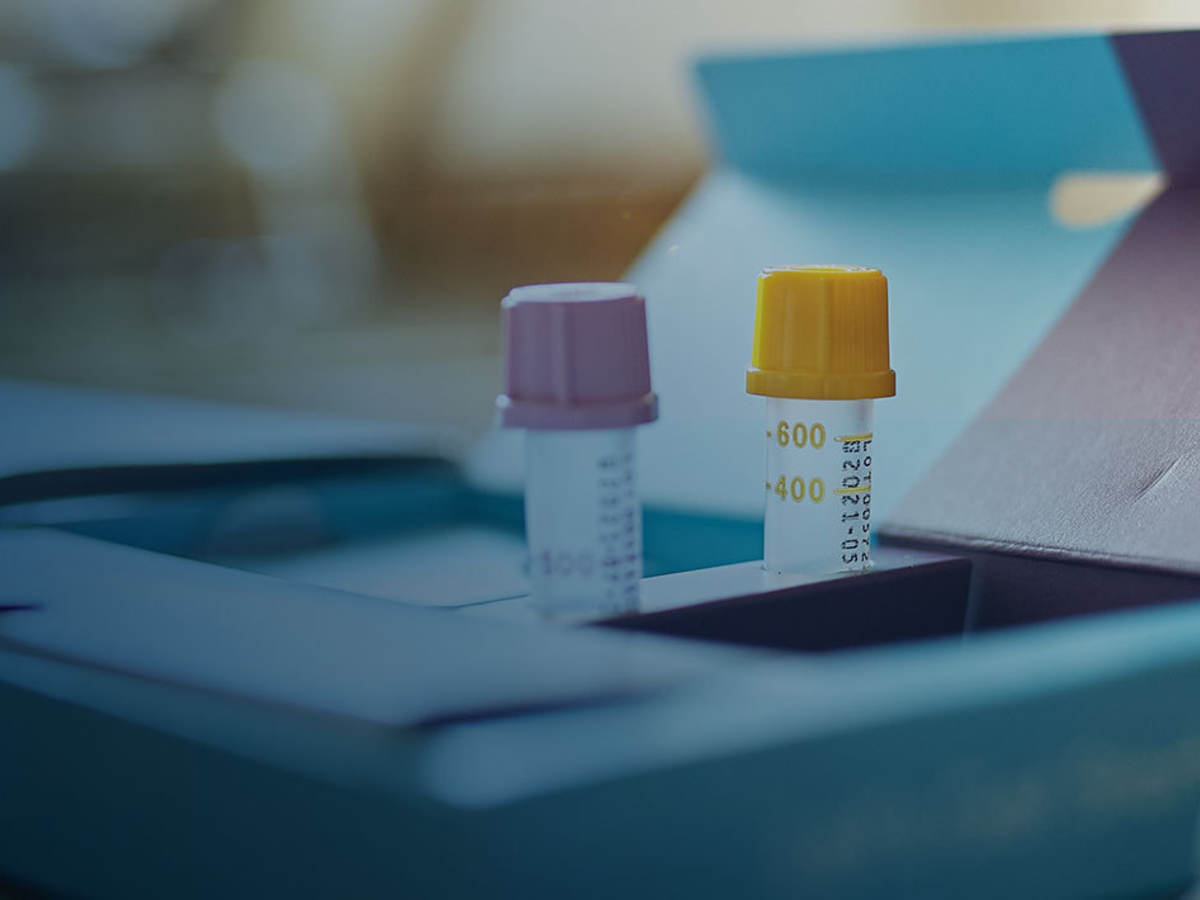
(796, 489)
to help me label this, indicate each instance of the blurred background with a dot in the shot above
(319, 203)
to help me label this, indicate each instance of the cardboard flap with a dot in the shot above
(1017, 106)
(1092, 450)
(1163, 70)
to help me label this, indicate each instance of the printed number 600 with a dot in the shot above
(800, 435)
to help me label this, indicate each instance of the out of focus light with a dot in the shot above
(1091, 199)
(20, 116)
(106, 33)
(353, 32)
(210, 293)
(276, 119)
(316, 251)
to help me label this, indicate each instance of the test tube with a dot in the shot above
(820, 358)
(577, 378)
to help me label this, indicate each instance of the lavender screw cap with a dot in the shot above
(575, 357)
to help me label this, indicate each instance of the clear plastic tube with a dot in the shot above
(583, 521)
(818, 485)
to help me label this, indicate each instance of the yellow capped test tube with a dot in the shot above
(820, 358)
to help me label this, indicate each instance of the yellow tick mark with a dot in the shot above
(855, 437)
(865, 489)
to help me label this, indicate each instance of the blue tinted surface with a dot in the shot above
(1002, 107)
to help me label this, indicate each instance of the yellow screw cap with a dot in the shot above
(821, 333)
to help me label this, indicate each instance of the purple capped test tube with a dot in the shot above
(577, 378)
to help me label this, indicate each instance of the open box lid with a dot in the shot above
(1091, 451)
(937, 164)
